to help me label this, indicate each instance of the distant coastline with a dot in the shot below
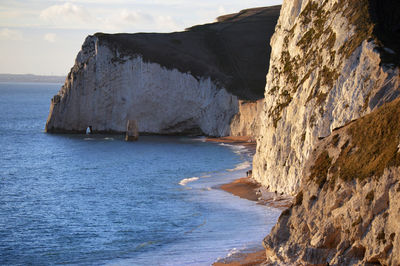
(31, 78)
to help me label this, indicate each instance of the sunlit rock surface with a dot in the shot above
(329, 65)
(348, 209)
(246, 122)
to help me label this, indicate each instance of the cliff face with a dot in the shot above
(331, 62)
(247, 121)
(178, 83)
(348, 210)
(105, 96)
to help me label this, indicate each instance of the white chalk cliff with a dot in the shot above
(246, 122)
(105, 94)
(178, 83)
(326, 69)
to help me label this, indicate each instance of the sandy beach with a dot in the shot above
(249, 189)
(245, 188)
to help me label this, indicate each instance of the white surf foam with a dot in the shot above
(241, 166)
(201, 139)
(184, 182)
(238, 149)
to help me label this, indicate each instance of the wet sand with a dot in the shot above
(249, 189)
(244, 187)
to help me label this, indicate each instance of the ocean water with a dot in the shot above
(97, 200)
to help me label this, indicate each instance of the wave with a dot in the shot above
(237, 253)
(232, 252)
(201, 139)
(190, 231)
(183, 182)
(232, 146)
(145, 244)
(238, 149)
(106, 138)
(241, 166)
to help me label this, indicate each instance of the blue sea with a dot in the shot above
(98, 200)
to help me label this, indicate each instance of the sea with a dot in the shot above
(98, 200)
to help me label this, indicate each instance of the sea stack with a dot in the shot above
(132, 131)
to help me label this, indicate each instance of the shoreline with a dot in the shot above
(249, 189)
(246, 141)
(248, 258)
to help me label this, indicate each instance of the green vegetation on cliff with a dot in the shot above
(373, 146)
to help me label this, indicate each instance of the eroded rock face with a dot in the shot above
(247, 121)
(348, 209)
(325, 71)
(342, 225)
(178, 83)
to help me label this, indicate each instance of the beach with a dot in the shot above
(248, 189)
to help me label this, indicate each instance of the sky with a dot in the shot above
(43, 37)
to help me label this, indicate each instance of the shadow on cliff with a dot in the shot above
(385, 15)
(234, 51)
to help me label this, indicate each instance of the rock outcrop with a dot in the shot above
(348, 210)
(332, 61)
(178, 83)
(132, 131)
(246, 122)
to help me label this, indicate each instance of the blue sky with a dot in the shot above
(43, 37)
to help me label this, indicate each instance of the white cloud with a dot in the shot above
(50, 37)
(65, 13)
(72, 16)
(133, 21)
(135, 16)
(125, 20)
(166, 23)
(221, 10)
(13, 35)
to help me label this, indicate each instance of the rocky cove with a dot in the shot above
(325, 118)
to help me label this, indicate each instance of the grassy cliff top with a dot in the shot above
(233, 52)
